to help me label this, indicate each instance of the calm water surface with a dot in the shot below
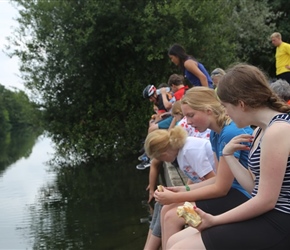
(95, 207)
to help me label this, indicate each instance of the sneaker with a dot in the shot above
(143, 165)
(143, 157)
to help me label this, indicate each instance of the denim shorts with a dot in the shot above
(155, 224)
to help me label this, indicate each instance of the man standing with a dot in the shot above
(282, 57)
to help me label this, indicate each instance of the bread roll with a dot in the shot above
(160, 188)
(190, 216)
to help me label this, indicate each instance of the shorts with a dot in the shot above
(220, 205)
(269, 231)
(165, 123)
(155, 224)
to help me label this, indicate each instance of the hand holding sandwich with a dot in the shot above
(166, 197)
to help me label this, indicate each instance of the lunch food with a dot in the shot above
(190, 216)
(160, 188)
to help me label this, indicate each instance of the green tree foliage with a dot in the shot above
(17, 111)
(20, 122)
(89, 60)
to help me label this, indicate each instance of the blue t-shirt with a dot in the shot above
(218, 142)
(195, 80)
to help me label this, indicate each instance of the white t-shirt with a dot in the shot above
(193, 131)
(196, 158)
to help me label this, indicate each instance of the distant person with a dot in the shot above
(216, 75)
(177, 85)
(282, 89)
(158, 122)
(192, 70)
(282, 57)
(161, 102)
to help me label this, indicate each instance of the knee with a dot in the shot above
(170, 215)
(164, 210)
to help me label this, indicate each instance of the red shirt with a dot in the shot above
(180, 93)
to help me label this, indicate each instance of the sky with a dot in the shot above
(9, 74)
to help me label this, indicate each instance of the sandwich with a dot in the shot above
(187, 212)
(160, 188)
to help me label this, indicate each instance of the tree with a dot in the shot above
(90, 60)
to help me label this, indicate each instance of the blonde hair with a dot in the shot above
(176, 108)
(204, 98)
(159, 141)
(277, 35)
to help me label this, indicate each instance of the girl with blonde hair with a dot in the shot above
(194, 157)
(204, 111)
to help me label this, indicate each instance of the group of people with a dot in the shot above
(238, 169)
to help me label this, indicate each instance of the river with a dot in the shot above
(97, 207)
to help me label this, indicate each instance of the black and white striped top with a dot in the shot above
(283, 203)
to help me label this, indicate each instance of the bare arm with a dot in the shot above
(212, 188)
(275, 149)
(153, 176)
(192, 67)
(166, 103)
(173, 123)
(243, 176)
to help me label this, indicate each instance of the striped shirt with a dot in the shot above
(283, 202)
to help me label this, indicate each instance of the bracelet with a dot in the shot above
(187, 188)
(227, 154)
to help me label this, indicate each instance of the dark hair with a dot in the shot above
(163, 85)
(175, 79)
(178, 51)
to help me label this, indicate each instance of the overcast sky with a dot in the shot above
(9, 67)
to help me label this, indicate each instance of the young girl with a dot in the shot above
(180, 119)
(203, 110)
(263, 222)
(192, 70)
(194, 157)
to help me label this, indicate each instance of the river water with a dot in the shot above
(87, 208)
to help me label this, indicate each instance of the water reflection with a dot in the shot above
(16, 145)
(92, 207)
(19, 183)
(86, 207)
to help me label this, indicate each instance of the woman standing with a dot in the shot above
(192, 70)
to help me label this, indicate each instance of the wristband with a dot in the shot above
(187, 188)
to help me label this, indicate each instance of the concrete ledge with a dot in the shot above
(173, 176)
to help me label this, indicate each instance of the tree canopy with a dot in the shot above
(89, 60)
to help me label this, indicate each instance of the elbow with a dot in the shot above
(221, 192)
(203, 79)
(168, 106)
(270, 204)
